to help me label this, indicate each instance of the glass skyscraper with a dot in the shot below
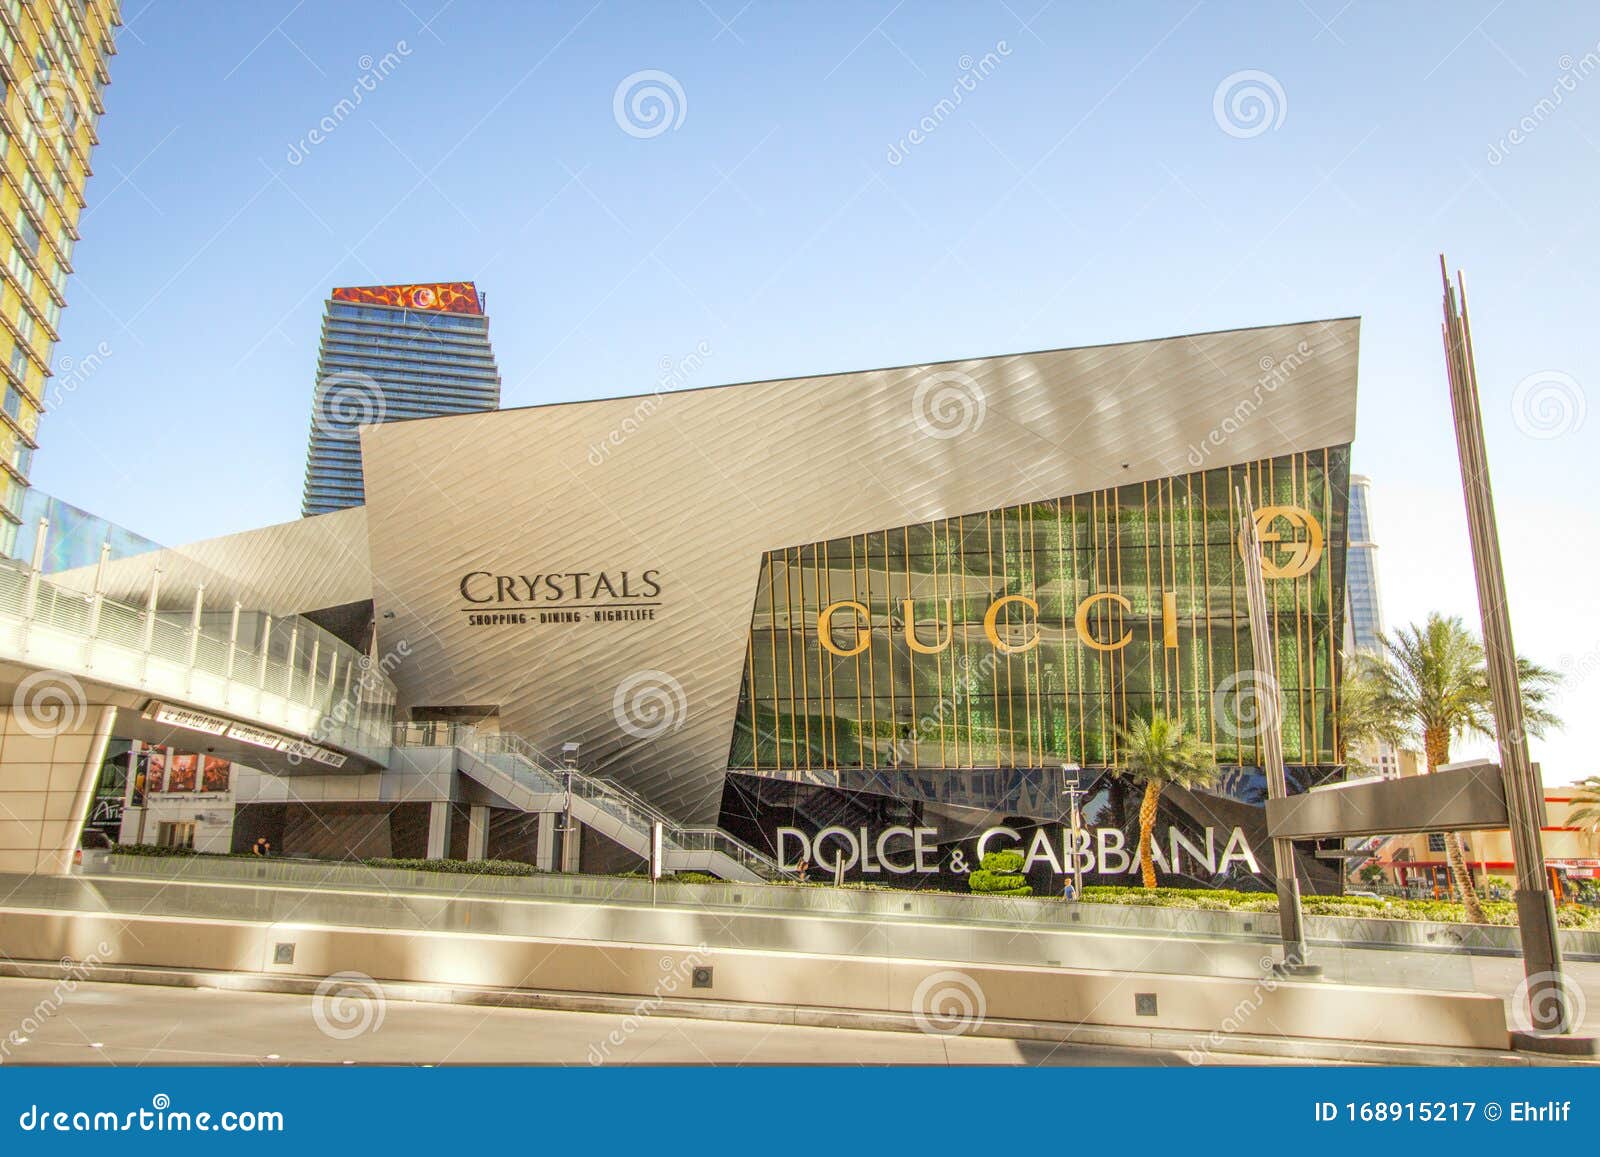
(391, 352)
(1366, 601)
(53, 60)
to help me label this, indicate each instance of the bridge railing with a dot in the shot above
(282, 672)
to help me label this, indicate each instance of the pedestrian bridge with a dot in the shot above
(279, 694)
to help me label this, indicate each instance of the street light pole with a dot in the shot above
(1074, 792)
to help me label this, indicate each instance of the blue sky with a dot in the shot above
(1085, 190)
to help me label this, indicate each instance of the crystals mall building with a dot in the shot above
(878, 621)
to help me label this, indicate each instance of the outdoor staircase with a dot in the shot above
(517, 772)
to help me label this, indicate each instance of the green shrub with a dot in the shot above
(465, 867)
(1000, 874)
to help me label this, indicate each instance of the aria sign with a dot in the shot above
(901, 851)
(1285, 555)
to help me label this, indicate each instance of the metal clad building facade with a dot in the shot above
(903, 596)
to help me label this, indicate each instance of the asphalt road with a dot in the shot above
(130, 1024)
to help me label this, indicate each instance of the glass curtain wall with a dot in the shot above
(1027, 636)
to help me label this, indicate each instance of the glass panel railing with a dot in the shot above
(294, 659)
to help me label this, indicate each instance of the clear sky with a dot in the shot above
(1088, 187)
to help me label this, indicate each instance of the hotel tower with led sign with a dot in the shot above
(391, 352)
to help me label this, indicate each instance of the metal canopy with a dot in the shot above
(1460, 800)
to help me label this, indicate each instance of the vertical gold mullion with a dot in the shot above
(1233, 589)
(855, 596)
(1121, 665)
(994, 672)
(772, 634)
(755, 714)
(1066, 649)
(805, 680)
(966, 646)
(1036, 687)
(1172, 571)
(788, 647)
(824, 664)
(872, 670)
(911, 656)
(1029, 658)
(1304, 629)
(938, 660)
(888, 640)
(1078, 657)
(1194, 615)
(1106, 683)
(1332, 617)
(1151, 597)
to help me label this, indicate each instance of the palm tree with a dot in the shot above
(1436, 686)
(1587, 797)
(1364, 716)
(1158, 752)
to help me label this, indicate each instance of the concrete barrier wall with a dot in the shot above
(1036, 913)
(937, 994)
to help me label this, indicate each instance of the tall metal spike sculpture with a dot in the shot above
(1270, 715)
(1536, 914)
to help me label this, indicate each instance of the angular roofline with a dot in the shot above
(871, 370)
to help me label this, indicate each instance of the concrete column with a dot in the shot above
(478, 832)
(51, 749)
(438, 829)
(545, 850)
(571, 842)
